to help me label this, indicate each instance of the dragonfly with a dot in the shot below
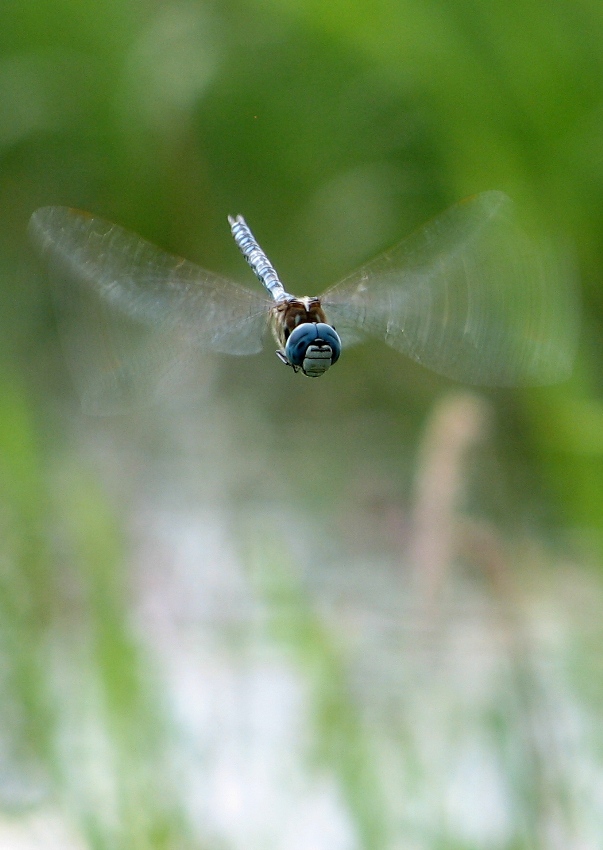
(469, 295)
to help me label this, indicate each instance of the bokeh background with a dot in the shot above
(363, 612)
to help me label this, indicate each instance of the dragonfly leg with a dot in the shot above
(281, 356)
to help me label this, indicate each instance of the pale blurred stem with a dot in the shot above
(456, 425)
(443, 536)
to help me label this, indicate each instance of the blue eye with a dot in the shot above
(329, 335)
(310, 333)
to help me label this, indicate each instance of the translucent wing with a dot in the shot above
(469, 296)
(131, 314)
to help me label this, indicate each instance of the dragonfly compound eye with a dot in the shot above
(313, 347)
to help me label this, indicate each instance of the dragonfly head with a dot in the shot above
(313, 347)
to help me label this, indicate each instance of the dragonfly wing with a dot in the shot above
(469, 296)
(131, 314)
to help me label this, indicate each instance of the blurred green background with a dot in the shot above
(363, 614)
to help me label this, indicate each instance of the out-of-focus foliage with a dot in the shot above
(335, 128)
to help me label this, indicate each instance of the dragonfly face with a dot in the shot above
(307, 342)
(312, 348)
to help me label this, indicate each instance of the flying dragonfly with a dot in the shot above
(468, 295)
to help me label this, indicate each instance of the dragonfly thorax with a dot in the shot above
(289, 313)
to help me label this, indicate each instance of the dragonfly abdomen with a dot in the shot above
(257, 259)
